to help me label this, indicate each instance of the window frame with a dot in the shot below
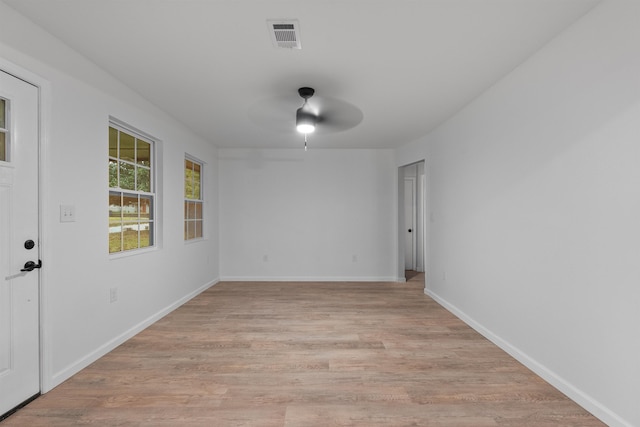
(6, 131)
(187, 200)
(152, 195)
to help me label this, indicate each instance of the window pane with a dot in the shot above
(143, 153)
(188, 179)
(198, 210)
(130, 236)
(113, 174)
(115, 222)
(127, 176)
(198, 231)
(3, 147)
(130, 208)
(115, 208)
(191, 214)
(113, 143)
(186, 228)
(191, 230)
(196, 181)
(115, 238)
(146, 207)
(127, 147)
(145, 234)
(3, 114)
(144, 179)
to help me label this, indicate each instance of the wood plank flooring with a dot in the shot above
(306, 354)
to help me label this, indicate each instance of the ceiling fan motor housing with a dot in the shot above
(306, 92)
(305, 116)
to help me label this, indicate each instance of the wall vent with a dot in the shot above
(285, 34)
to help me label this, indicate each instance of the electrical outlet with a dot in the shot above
(113, 295)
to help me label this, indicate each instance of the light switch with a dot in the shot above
(67, 213)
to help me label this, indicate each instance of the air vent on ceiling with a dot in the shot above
(285, 33)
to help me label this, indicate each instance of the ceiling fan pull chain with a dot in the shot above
(305, 142)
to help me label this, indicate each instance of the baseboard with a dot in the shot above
(308, 279)
(587, 402)
(85, 361)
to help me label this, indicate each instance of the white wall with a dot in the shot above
(534, 191)
(80, 324)
(296, 215)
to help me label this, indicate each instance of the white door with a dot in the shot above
(409, 223)
(19, 290)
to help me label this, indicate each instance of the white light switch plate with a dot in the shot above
(67, 213)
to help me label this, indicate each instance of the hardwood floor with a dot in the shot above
(306, 354)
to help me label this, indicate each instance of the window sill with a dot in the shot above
(197, 240)
(132, 252)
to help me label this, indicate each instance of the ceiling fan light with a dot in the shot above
(305, 128)
(305, 122)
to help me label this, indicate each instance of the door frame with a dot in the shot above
(44, 114)
(425, 221)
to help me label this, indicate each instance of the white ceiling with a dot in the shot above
(407, 65)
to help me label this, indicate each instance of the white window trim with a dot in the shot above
(203, 168)
(6, 130)
(154, 173)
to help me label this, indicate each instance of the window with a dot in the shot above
(3, 131)
(131, 190)
(192, 199)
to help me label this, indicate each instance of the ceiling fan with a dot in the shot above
(306, 118)
(321, 115)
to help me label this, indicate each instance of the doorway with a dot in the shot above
(411, 219)
(19, 242)
(410, 213)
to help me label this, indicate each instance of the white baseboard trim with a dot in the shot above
(587, 402)
(85, 361)
(307, 279)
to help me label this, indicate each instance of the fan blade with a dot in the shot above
(278, 114)
(336, 115)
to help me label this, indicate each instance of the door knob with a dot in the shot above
(30, 265)
(409, 230)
